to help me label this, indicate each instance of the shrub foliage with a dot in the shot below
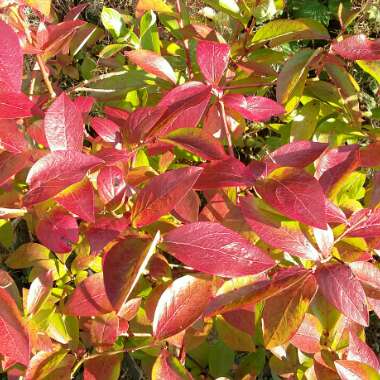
(188, 195)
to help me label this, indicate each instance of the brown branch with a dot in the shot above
(226, 129)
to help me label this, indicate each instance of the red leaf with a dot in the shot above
(56, 171)
(335, 165)
(214, 249)
(123, 265)
(307, 338)
(357, 47)
(361, 352)
(84, 104)
(15, 106)
(196, 141)
(89, 298)
(283, 313)
(188, 208)
(256, 290)
(344, 291)
(292, 240)
(11, 164)
(11, 138)
(212, 58)
(50, 364)
(75, 12)
(36, 132)
(184, 105)
(370, 155)
(14, 341)
(296, 194)
(140, 122)
(103, 330)
(162, 194)
(223, 173)
(103, 367)
(111, 183)
(64, 125)
(180, 305)
(104, 231)
(254, 108)
(349, 370)
(168, 367)
(105, 128)
(58, 232)
(79, 199)
(11, 60)
(297, 154)
(152, 63)
(367, 226)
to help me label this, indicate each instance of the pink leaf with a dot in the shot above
(361, 352)
(296, 194)
(38, 291)
(180, 305)
(214, 249)
(58, 232)
(162, 194)
(368, 226)
(212, 58)
(188, 208)
(14, 341)
(15, 106)
(55, 172)
(168, 367)
(344, 291)
(64, 125)
(350, 370)
(89, 298)
(293, 241)
(11, 138)
(105, 128)
(307, 337)
(11, 60)
(152, 63)
(111, 183)
(11, 164)
(254, 108)
(357, 47)
(369, 276)
(79, 199)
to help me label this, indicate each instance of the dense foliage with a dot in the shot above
(189, 192)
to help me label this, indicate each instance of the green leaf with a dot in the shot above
(149, 37)
(304, 123)
(293, 75)
(278, 32)
(113, 22)
(371, 67)
(311, 9)
(228, 6)
(110, 50)
(6, 233)
(220, 359)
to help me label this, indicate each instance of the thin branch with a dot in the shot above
(45, 76)
(226, 129)
(239, 86)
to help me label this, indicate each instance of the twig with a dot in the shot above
(226, 129)
(239, 86)
(81, 86)
(45, 76)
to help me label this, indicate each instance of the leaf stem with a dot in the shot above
(225, 128)
(45, 76)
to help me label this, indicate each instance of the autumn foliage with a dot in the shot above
(149, 243)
